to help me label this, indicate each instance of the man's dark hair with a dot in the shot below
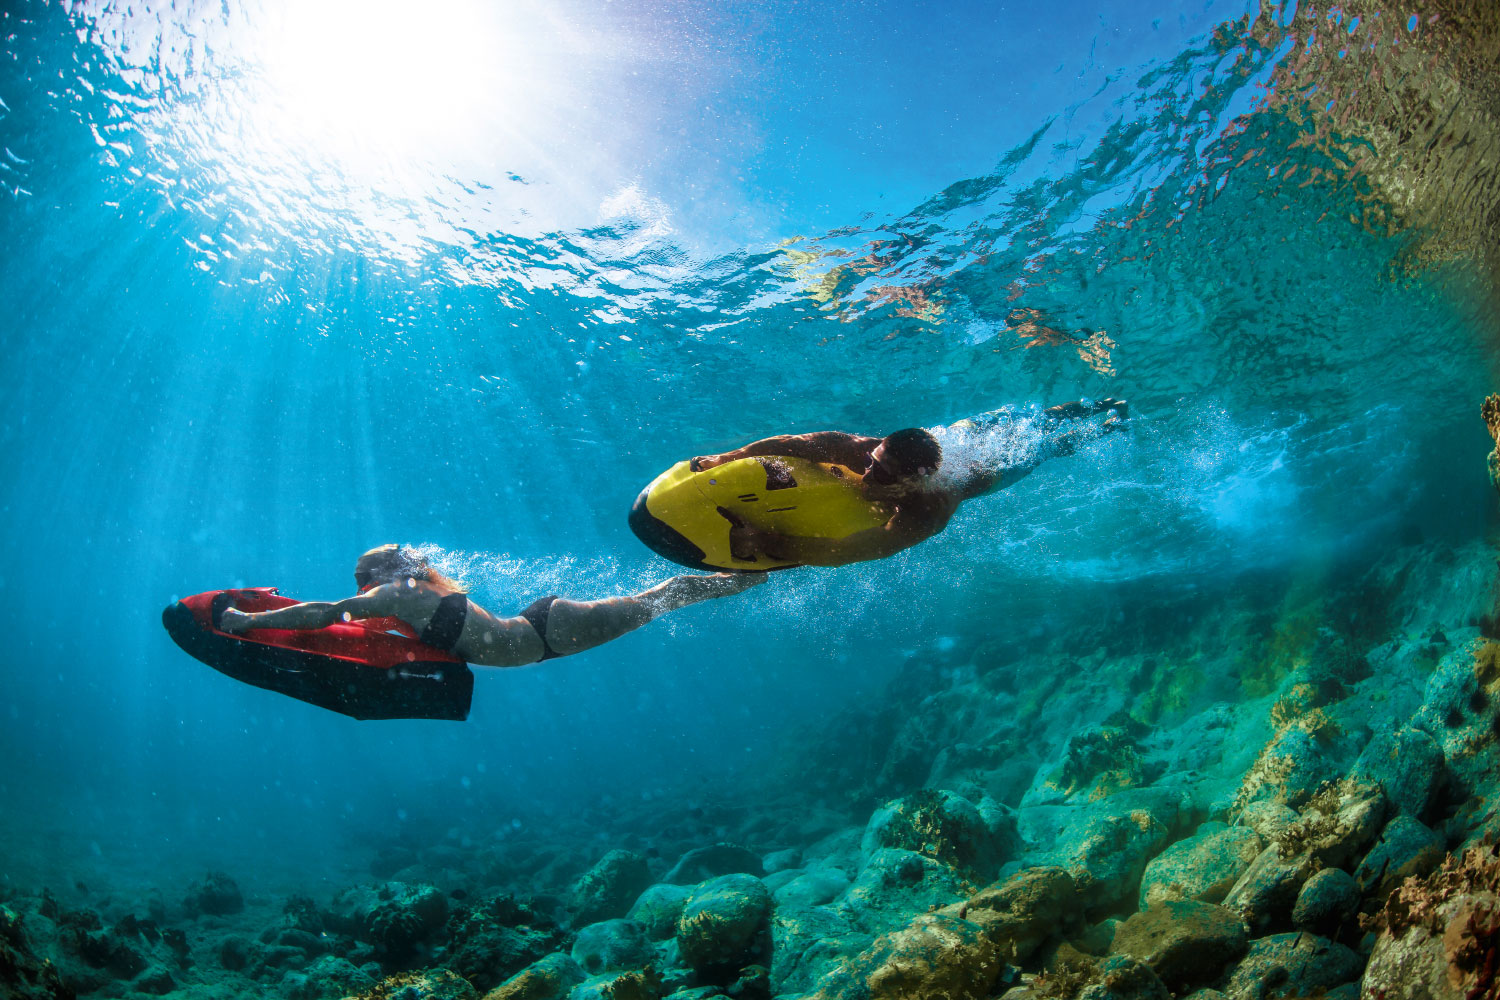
(912, 450)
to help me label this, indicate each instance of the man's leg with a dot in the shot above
(573, 626)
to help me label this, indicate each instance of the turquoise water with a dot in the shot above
(253, 327)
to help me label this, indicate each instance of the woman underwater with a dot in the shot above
(396, 581)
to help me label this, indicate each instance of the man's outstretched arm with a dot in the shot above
(851, 450)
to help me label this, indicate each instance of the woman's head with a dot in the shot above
(393, 563)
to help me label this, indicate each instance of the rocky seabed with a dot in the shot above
(1291, 798)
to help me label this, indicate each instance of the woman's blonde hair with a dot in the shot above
(391, 562)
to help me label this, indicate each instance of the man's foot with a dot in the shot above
(1089, 408)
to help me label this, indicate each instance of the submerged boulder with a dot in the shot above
(612, 945)
(1204, 866)
(23, 974)
(328, 978)
(1439, 935)
(1407, 765)
(1406, 847)
(633, 985)
(216, 895)
(806, 943)
(430, 984)
(1107, 855)
(725, 923)
(498, 937)
(1023, 911)
(1328, 902)
(1299, 964)
(935, 955)
(718, 859)
(972, 839)
(1186, 943)
(1265, 894)
(895, 885)
(607, 889)
(550, 978)
(658, 908)
(396, 917)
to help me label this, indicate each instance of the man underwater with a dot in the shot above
(900, 473)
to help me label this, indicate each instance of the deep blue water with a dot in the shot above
(267, 303)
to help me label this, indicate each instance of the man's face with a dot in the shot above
(880, 471)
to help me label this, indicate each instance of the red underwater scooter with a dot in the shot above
(357, 668)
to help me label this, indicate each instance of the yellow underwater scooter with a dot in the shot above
(686, 515)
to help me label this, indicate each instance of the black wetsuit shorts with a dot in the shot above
(536, 613)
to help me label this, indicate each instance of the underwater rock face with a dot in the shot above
(1186, 943)
(550, 978)
(1298, 964)
(611, 946)
(1205, 866)
(607, 889)
(217, 895)
(936, 955)
(724, 922)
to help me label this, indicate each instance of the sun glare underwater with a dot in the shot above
(287, 280)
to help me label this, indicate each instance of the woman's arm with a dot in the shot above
(820, 446)
(314, 614)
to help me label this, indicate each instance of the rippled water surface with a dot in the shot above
(284, 281)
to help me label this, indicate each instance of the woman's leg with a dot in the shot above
(573, 626)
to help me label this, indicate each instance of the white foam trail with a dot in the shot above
(503, 579)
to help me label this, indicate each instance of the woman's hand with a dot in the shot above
(235, 621)
(704, 462)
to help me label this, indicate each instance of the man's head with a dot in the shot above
(906, 453)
